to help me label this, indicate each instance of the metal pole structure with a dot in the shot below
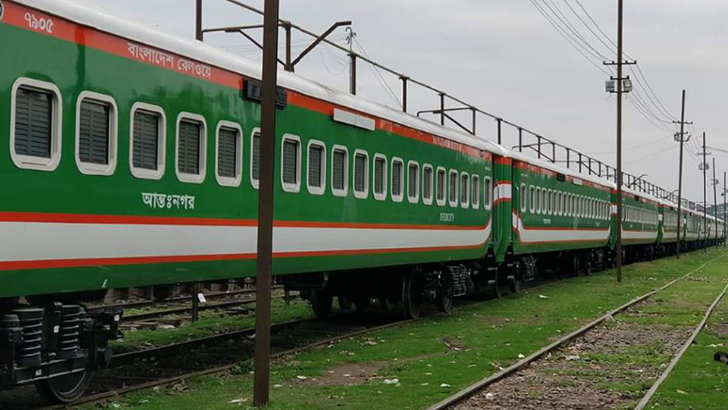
(620, 60)
(199, 35)
(679, 183)
(705, 190)
(442, 109)
(261, 394)
(352, 74)
(289, 61)
(404, 92)
(715, 199)
(500, 123)
(725, 220)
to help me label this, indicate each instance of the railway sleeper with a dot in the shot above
(55, 346)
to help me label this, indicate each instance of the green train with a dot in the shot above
(131, 158)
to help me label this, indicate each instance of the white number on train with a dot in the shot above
(41, 24)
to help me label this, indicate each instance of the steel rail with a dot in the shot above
(145, 303)
(650, 393)
(523, 363)
(174, 311)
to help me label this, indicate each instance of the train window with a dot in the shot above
(547, 207)
(148, 141)
(361, 174)
(427, 184)
(553, 202)
(35, 125)
(380, 177)
(339, 171)
(453, 189)
(464, 190)
(441, 186)
(475, 191)
(488, 193)
(291, 163)
(413, 182)
(255, 158)
(532, 199)
(316, 169)
(228, 146)
(397, 179)
(523, 198)
(96, 134)
(191, 148)
(539, 200)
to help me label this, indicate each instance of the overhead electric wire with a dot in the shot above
(566, 37)
(565, 20)
(378, 75)
(650, 155)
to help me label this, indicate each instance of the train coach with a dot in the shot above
(131, 158)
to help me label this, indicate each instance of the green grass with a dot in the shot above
(490, 334)
(698, 382)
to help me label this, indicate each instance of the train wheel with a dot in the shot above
(64, 389)
(344, 303)
(444, 301)
(516, 285)
(411, 301)
(498, 290)
(384, 303)
(362, 304)
(321, 302)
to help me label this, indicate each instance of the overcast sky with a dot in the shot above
(506, 58)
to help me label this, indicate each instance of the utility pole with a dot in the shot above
(199, 35)
(261, 393)
(715, 199)
(620, 89)
(725, 220)
(681, 138)
(704, 168)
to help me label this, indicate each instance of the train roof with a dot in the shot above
(87, 15)
(641, 195)
(556, 168)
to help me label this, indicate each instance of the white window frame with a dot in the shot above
(524, 198)
(443, 201)
(340, 192)
(475, 199)
(532, 198)
(365, 194)
(87, 168)
(414, 199)
(400, 197)
(488, 183)
(227, 181)
(324, 155)
(295, 187)
(143, 173)
(254, 182)
(453, 203)
(466, 203)
(202, 165)
(433, 194)
(385, 175)
(29, 161)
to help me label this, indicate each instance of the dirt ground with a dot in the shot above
(608, 368)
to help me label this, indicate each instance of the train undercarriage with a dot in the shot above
(53, 344)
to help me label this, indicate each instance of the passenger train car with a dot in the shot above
(130, 158)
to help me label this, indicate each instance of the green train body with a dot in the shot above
(129, 159)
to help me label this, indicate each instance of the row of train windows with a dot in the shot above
(36, 134)
(543, 201)
(639, 215)
(432, 185)
(671, 220)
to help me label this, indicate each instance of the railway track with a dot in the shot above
(128, 384)
(188, 298)
(473, 390)
(123, 384)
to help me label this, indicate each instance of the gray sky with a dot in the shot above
(505, 57)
